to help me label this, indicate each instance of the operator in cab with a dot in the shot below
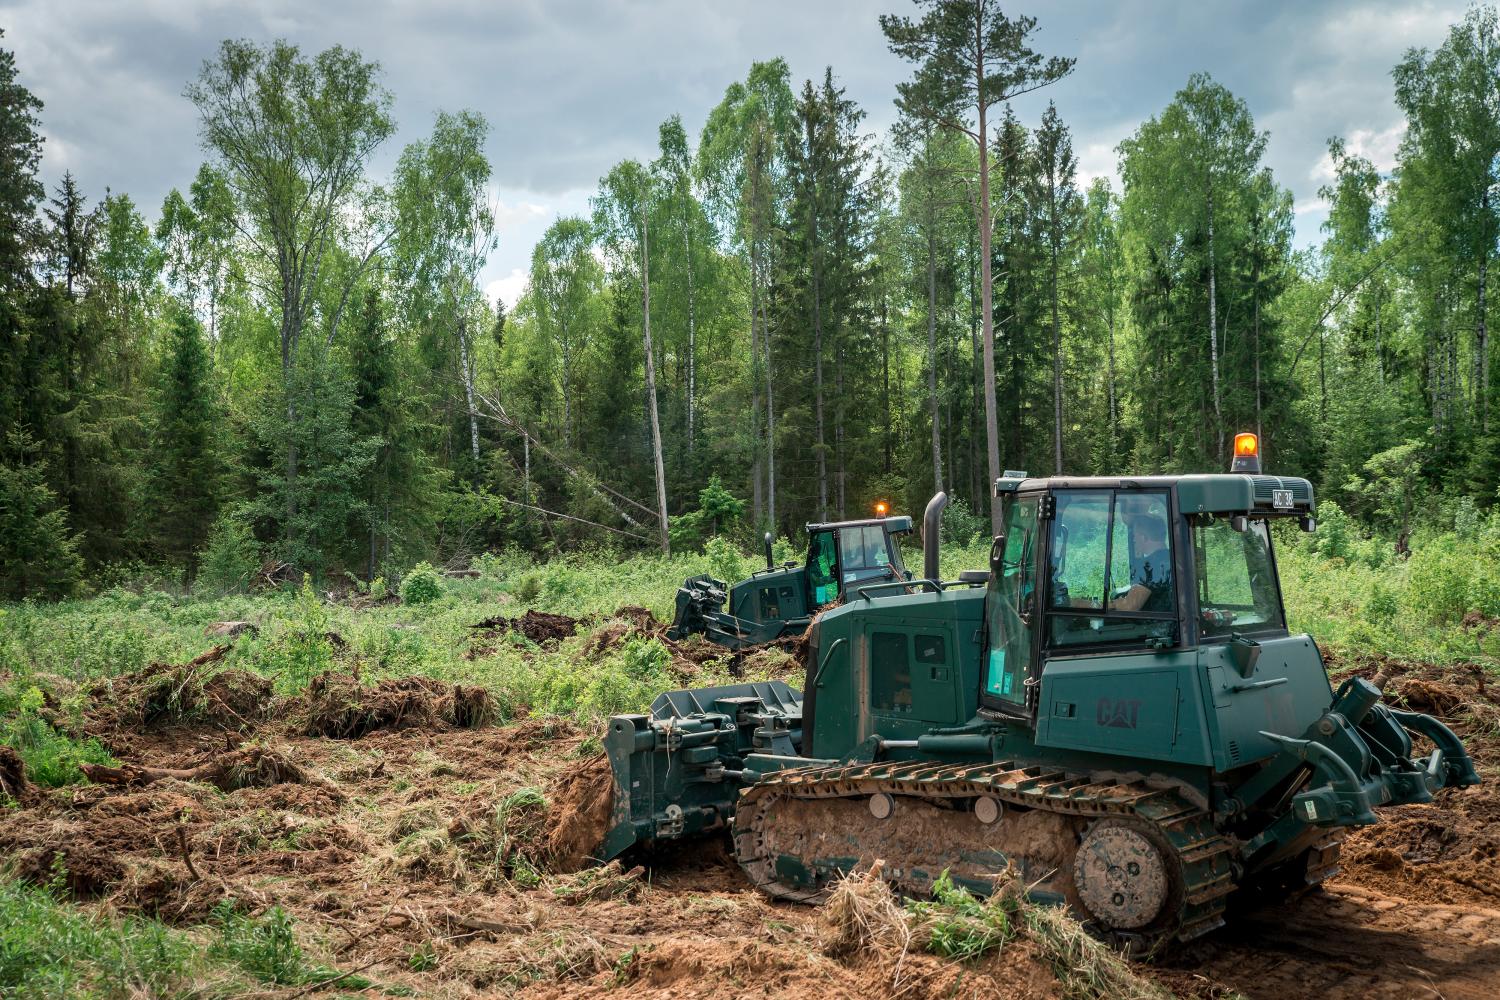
(1150, 568)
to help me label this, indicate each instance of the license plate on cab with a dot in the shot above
(1281, 499)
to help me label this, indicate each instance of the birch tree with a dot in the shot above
(622, 214)
(293, 135)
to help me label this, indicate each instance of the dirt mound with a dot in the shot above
(166, 693)
(248, 767)
(538, 626)
(337, 705)
(581, 806)
(1445, 852)
(13, 782)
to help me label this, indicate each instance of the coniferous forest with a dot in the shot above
(779, 319)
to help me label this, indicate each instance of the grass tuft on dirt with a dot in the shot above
(1086, 968)
(862, 916)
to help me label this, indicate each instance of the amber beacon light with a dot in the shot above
(1246, 453)
(881, 508)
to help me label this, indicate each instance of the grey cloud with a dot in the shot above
(572, 87)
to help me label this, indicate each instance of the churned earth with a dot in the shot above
(414, 840)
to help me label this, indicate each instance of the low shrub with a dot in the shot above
(421, 585)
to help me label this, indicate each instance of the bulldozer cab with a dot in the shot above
(847, 553)
(1128, 568)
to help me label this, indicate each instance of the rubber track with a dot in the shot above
(1202, 853)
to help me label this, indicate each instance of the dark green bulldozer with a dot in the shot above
(1116, 713)
(780, 601)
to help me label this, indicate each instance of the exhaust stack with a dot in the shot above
(932, 521)
(768, 551)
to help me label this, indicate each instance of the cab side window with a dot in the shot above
(1111, 569)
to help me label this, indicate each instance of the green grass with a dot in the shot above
(51, 949)
(1356, 596)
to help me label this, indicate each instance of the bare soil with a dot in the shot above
(392, 820)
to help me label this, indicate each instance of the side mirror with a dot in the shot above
(1239, 522)
(1308, 523)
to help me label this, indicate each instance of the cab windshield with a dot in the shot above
(864, 555)
(1237, 589)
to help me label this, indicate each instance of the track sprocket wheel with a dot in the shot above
(1124, 878)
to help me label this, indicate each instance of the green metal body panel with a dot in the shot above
(775, 600)
(1285, 691)
(934, 635)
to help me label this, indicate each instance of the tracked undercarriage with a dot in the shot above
(1140, 864)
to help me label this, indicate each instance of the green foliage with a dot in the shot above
(719, 512)
(184, 476)
(959, 925)
(421, 584)
(50, 950)
(51, 757)
(38, 555)
(265, 946)
(230, 557)
(296, 647)
(725, 561)
(960, 525)
(312, 504)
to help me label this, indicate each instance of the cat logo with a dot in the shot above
(1118, 713)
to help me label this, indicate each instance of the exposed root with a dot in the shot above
(338, 706)
(582, 801)
(250, 767)
(166, 693)
(13, 783)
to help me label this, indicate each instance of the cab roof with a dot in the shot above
(897, 525)
(1224, 493)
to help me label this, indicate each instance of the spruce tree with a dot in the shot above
(38, 555)
(184, 460)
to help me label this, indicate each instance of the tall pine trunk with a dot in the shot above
(692, 345)
(1213, 323)
(466, 362)
(1481, 328)
(1057, 405)
(840, 474)
(817, 319)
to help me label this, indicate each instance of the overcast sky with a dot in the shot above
(571, 88)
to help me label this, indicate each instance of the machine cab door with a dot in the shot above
(1010, 608)
(822, 569)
